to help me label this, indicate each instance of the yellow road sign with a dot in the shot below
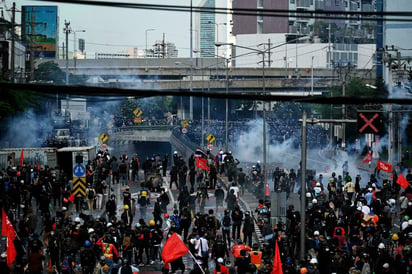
(185, 123)
(79, 186)
(104, 137)
(137, 112)
(210, 138)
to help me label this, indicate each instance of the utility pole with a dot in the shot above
(395, 63)
(13, 41)
(67, 30)
(304, 122)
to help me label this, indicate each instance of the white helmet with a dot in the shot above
(314, 201)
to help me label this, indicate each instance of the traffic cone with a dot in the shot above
(267, 192)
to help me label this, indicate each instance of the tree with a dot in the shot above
(49, 72)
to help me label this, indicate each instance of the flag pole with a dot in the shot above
(194, 259)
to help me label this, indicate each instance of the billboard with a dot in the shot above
(40, 30)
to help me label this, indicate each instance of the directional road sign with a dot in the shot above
(79, 170)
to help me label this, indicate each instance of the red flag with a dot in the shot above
(7, 230)
(277, 263)
(21, 158)
(384, 166)
(71, 198)
(174, 248)
(367, 158)
(202, 163)
(402, 181)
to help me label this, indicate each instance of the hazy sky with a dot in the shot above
(114, 29)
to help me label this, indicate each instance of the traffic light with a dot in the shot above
(370, 122)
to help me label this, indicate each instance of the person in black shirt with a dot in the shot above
(242, 263)
(127, 196)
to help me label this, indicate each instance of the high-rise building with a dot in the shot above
(40, 30)
(207, 28)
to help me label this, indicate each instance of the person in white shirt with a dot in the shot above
(203, 249)
(236, 189)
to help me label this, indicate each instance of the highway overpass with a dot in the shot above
(207, 74)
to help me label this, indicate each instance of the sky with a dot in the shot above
(112, 30)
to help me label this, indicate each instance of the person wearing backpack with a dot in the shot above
(226, 225)
(248, 228)
(219, 249)
(237, 217)
(175, 219)
(67, 265)
(213, 224)
(90, 194)
(87, 258)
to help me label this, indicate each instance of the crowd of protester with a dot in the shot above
(359, 225)
(279, 131)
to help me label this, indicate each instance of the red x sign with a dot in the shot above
(366, 124)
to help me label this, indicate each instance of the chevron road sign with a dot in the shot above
(79, 186)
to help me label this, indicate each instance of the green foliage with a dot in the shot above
(13, 102)
(49, 72)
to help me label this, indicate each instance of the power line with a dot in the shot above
(315, 14)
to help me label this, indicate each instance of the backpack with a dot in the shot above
(86, 257)
(176, 220)
(211, 222)
(143, 201)
(226, 221)
(65, 265)
(90, 194)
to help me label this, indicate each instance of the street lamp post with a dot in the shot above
(263, 52)
(191, 62)
(67, 30)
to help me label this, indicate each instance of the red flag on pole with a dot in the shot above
(277, 263)
(202, 163)
(402, 181)
(174, 248)
(384, 166)
(71, 198)
(367, 158)
(21, 157)
(7, 230)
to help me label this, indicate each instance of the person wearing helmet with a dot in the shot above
(109, 250)
(126, 267)
(87, 258)
(156, 240)
(127, 216)
(143, 200)
(167, 223)
(127, 196)
(303, 270)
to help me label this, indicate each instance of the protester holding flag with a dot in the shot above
(173, 249)
(7, 230)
